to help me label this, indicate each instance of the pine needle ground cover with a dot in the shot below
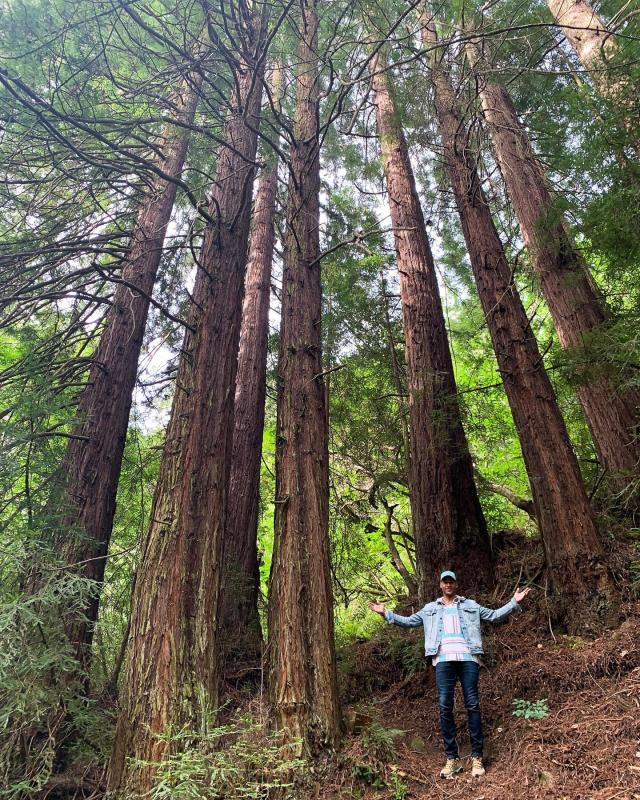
(587, 746)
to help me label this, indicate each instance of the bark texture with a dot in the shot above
(589, 36)
(171, 671)
(576, 308)
(449, 526)
(92, 462)
(239, 620)
(303, 686)
(567, 527)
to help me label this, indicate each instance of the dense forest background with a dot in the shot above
(301, 303)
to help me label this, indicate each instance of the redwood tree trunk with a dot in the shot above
(592, 42)
(449, 527)
(171, 671)
(91, 465)
(303, 686)
(239, 620)
(567, 527)
(576, 309)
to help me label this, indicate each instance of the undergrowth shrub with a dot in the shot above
(408, 652)
(238, 761)
(372, 767)
(379, 741)
(42, 697)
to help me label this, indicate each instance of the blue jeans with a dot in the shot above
(447, 673)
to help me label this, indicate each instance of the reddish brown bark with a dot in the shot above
(91, 465)
(567, 527)
(171, 671)
(576, 309)
(449, 527)
(239, 620)
(303, 686)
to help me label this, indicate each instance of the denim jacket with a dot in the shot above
(430, 617)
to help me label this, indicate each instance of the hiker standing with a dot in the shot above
(453, 640)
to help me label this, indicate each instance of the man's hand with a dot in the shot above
(379, 607)
(519, 595)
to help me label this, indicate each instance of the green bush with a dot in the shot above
(42, 694)
(238, 761)
(408, 652)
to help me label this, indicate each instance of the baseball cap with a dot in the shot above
(448, 574)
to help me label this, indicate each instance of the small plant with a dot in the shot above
(371, 767)
(365, 773)
(379, 741)
(398, 787)
(574, 642)
(530, 709)
(408, 653)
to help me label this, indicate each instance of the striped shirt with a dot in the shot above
(453, 645)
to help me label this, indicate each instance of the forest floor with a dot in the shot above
(587, 746)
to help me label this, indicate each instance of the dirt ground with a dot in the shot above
(588, 745)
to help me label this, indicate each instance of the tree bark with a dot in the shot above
(171, 672)
(239, 620)
(449, 526)
(91, 465)
(593, 43)
(303, 684)
(576, 309)
(396, 370)
(573, 552)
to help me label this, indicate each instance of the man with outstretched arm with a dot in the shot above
(453, 641)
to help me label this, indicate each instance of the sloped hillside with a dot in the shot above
(586, 745)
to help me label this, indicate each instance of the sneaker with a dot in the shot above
(451, 768)
(477, 767)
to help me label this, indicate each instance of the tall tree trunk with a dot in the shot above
(573, 552)
(449, 527)
(303, 685)
(171, 671)
(396, 371)
(92, 462)
(576, 308)
(593, 43)
(239, 620)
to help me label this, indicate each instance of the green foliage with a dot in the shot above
(530, 709)
(372, 769)
(397, 786)
(379, 741)
(41, 700)
(408, 651)
(239, 761)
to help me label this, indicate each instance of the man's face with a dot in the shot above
(448, 586)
